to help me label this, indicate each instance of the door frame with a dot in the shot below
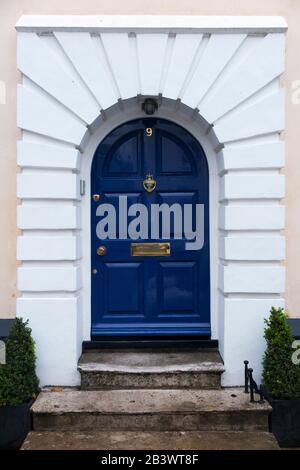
(116, 117)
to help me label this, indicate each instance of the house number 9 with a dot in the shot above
(149, 131)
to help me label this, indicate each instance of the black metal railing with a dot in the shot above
(251, 386)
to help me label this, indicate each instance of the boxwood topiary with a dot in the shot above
(281, 377)
(18, 380)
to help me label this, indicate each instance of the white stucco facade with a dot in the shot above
(220, 78)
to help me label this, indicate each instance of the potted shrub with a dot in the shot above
(18, 386)
(281, 380)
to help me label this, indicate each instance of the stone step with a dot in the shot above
(154, 440)
(196, 369)
(148, 410)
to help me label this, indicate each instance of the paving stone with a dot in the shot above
(131, 440)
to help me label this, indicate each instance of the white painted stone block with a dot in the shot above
(236, 279)
(48, 186)
(176, 75)
(268, 155)
(151, 56)
(89, 60)
(235, 186)
(39, 113)
(243, 336)
(48, 216)
(261, 65)
(49, 279)
(55, 324)
(269, 248)
(45, 248)
(260, 117)
(122, 60)
(254, 217)
(220, 47)
(34, 155)
(43, 68)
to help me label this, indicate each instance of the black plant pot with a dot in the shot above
(15, 424)
(285, 422)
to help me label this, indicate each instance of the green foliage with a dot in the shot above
(281, 377)
(18, 380)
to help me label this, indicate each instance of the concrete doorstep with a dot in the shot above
(149, 410)
(132, 440)
(221, 419)
(197, 369)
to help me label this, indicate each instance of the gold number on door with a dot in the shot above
(149, 131)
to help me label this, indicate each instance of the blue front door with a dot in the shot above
(135, 292)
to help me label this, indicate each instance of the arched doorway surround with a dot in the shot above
(220, 81)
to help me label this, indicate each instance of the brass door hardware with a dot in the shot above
(149, 184)
(150, 249)
(101, 251)
(149, 132)
(96, 197)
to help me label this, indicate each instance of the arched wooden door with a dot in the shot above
(135, 293)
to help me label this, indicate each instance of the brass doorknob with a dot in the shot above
(101, 251)
(96, 197)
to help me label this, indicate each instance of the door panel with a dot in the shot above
(177, 289)
(181, 161)
(124, 158)
(177, 198)
(147, 295)
(130, 275)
